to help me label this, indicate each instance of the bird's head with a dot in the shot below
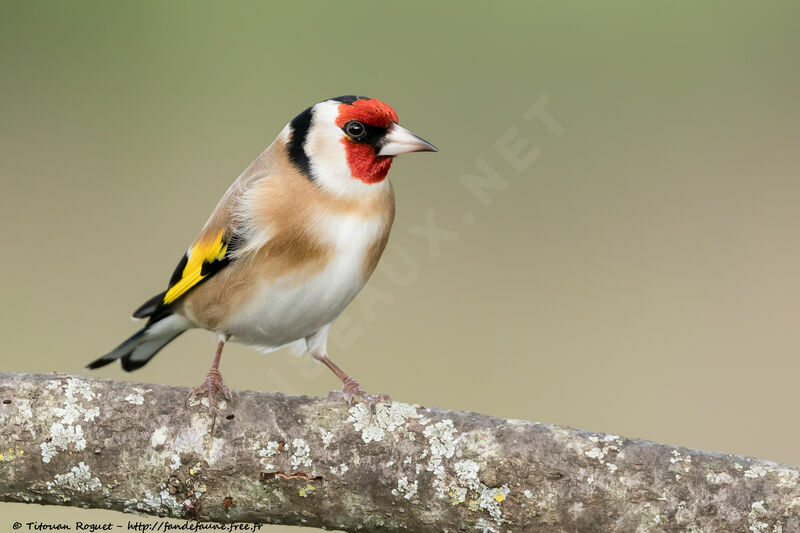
(347, 144)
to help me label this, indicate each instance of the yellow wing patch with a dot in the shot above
(201, 253)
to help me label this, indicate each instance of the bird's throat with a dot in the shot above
(364, 164)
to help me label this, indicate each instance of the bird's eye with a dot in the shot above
(355, 129)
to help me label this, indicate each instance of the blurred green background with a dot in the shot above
(640, 277)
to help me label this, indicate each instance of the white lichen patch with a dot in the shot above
(469, 488)
(175, 461)
(457, 494)
(78, 479)
(388, 418)
(466, 480)
(756, 471)
(596, 453)
(758, 520)
(441, 445)
(490, 500)
(467, 473)
(272, 448)
(684, 461)
(787, 478)
(66, 433)
(130, 505)
(327, 437)
(301, 455)
(719, 478)
(341, 469)
(441, 438)
(606, 446)
(136, 396)
(405, 488)
(606, 439)
(159, 437)
(465, 485)
(74, 387)
(575, 510)
(91, 414)
(161, 503)
(62, 437)
(24, 409)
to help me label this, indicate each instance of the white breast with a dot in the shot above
(282, 310)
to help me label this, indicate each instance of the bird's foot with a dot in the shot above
(211, 386)
(351, 393)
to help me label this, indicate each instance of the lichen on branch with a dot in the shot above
(71, 440)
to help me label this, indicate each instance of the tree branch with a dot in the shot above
(71, 440)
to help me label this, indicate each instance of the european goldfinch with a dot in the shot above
(289, 245)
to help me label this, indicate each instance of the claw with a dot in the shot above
(212, 385)
(352, 392)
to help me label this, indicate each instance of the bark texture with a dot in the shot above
(71, 440)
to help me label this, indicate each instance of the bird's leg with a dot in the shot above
(351, 390)
(213, 384)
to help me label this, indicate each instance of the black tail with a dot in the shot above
(142, 345)
(150, 307)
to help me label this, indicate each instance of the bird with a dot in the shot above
(289, 245)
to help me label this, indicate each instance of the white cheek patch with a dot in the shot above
(323, 143)
(327, 156)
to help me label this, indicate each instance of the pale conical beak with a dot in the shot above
(399, 140)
